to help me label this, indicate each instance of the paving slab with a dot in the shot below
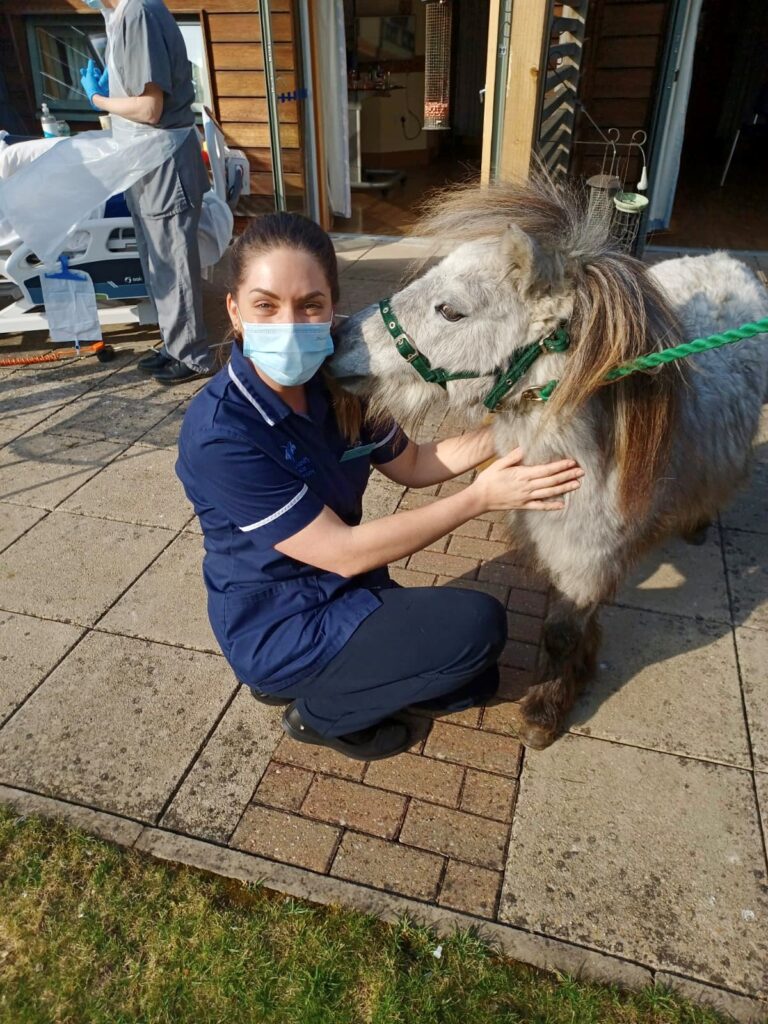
(212, 798)
(29, 649)
(730, 1005)
(286, 837)
(746, 557)
(31, 395)
(48, 385)
(168, 602)
(684, 579)
(668, 683)
(123, 407)
(16, 424)
(749, 509)
(42, 469)
(357, 294)
(98, 823)
(116, 725)
(165, 434)
(349, 249)
(641, 854)
(396, 257)
(761, 787)
(16, 520)
(94, 563)
(752, 645)
(140, 486)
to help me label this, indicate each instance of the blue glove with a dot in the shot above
(104, 83)
(90, 79)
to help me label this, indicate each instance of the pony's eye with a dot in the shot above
(449, 313)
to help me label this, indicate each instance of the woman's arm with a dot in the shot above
(421, 465)
(145, 109)
(330, 544)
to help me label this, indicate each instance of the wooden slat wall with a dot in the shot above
(625, 41)
(232, 33)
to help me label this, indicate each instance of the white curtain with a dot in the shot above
(332, 72)
(666, 173)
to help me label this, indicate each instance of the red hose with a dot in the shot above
(54, 356)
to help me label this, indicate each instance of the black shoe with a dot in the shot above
(154, 360)
(178, 373)
(268, 698)
(383, 740)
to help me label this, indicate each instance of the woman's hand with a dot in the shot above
(508, 484)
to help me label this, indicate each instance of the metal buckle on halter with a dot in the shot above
(414, 355)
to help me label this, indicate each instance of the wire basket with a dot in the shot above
(602, 189)
(628, 209)
(437, 67)
(619, 213)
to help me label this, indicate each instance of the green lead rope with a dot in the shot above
(670, 355)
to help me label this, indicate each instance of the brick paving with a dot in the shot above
(633, 848)
(450, 797)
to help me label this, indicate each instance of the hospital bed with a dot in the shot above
(104, 246)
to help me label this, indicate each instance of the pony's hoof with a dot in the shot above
(535, 737)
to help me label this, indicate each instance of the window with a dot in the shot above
(59, 47)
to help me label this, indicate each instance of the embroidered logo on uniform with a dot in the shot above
(302, 464)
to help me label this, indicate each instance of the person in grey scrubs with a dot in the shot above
(149, 83)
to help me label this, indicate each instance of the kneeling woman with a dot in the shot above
(299, 595)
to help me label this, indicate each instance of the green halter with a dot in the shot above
(524, 358)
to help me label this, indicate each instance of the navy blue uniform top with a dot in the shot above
(257, 473)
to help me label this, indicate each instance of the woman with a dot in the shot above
(147, 89)
(298, 591)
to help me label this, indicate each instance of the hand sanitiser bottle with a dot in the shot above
(48, 123)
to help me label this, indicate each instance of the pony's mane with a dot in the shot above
(619, 313)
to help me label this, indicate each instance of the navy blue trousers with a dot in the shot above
(433, 646)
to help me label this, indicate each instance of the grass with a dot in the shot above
(93, 934)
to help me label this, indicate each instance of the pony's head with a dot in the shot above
(523, 260)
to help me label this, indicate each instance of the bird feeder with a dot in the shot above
(437, 66)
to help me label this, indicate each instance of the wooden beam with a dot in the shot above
(249, 84)
(250, 56)
(260, 159)
(243, 109)
(489, 97)
(243, 135)
(325, 216)
(526, 45)
(237, 28)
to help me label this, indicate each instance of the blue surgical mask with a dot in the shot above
(95, 5)
(288, 353)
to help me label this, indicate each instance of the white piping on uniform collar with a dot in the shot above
(388, 438)
(246, 394)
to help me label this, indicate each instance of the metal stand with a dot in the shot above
(381, 179)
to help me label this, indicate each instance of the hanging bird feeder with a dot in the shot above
(437, 66)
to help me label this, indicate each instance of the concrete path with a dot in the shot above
(632, 849)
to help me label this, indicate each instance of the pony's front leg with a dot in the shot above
(567, 660)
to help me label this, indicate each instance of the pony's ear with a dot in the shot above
(535, 269)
